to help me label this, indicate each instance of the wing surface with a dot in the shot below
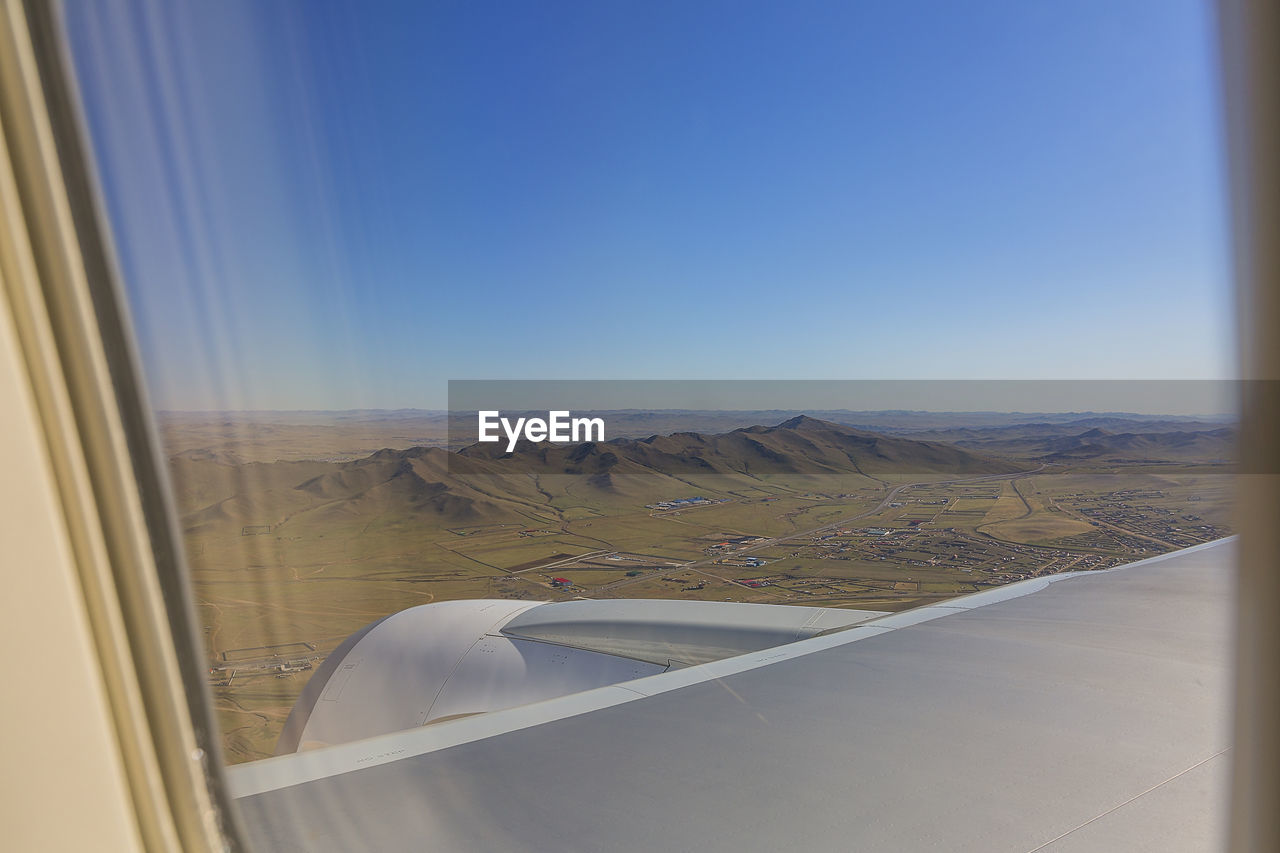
(1077, 712)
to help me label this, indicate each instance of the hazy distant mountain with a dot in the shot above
(351, 435)
(1045, 428)
(1211, 446)
(917, 424)
(1157, 441)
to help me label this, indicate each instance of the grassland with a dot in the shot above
(289, 558)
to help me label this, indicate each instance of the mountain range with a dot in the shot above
(483, 484)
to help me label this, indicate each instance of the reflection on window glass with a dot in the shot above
(335, 220)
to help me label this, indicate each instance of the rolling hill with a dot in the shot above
(483, 484)
(1053, 443)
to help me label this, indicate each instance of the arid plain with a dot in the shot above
(301, 528)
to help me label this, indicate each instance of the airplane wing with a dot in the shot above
(1083, 711)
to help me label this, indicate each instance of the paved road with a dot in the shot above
(570, 559)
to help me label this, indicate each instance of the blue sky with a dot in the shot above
(326, 206)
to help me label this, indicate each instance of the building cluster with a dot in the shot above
(733, 544)
(1135, 511)
(681, 503)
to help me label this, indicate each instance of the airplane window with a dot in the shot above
(506, 358)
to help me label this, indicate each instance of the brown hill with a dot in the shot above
(801, 445)
(483, 484)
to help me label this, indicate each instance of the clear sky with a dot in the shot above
(343, 205)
